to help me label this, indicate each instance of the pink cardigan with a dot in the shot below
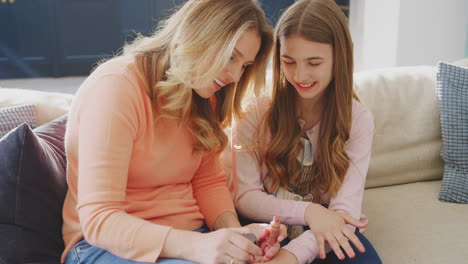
(253, 202)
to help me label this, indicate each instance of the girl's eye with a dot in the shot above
(288, 62)
(314, 64)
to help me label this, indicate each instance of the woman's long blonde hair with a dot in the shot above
(320, 21)
(193, 45)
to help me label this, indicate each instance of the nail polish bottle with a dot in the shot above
(275, 229)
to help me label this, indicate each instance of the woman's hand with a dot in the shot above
(227, 245)
(282, 257)
(330, 226)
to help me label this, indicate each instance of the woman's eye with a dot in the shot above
(288, 62)
(314, 64)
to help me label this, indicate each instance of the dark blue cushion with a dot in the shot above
(32, 191)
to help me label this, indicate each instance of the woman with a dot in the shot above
(303, 154)
(144, 135)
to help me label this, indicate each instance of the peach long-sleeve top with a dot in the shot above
(254, 202)
(132, 179)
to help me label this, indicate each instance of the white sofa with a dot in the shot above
(408, 224)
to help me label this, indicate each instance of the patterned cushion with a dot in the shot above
(452, 92)
(11, 117)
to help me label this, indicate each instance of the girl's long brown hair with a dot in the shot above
(201, 34)
(319, 21)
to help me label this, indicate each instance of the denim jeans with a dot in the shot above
(84, 253)
(368, 257)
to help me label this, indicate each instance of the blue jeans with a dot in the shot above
(368, 257)
(84, 253)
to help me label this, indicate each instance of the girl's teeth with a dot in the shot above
(219, 83)
(306, 85)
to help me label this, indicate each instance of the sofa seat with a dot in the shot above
(410, 225)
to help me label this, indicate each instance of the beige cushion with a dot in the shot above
(407, 138)
(408, 224)
(48, 105)
(462, 62)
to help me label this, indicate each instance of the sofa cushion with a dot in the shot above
(32, 190)
(461, 62)
(48, 105)
(452, 92)
(407, 137)
(408, 224)
(11, 117)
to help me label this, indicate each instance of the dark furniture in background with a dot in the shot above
(54, 38)
(67, 37)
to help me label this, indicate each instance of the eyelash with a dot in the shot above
(311, 64)
(243, 66)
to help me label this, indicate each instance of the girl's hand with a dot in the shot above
(262, 232)
(282, 257)
(330, 226)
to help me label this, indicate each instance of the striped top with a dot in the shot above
(301, 190)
